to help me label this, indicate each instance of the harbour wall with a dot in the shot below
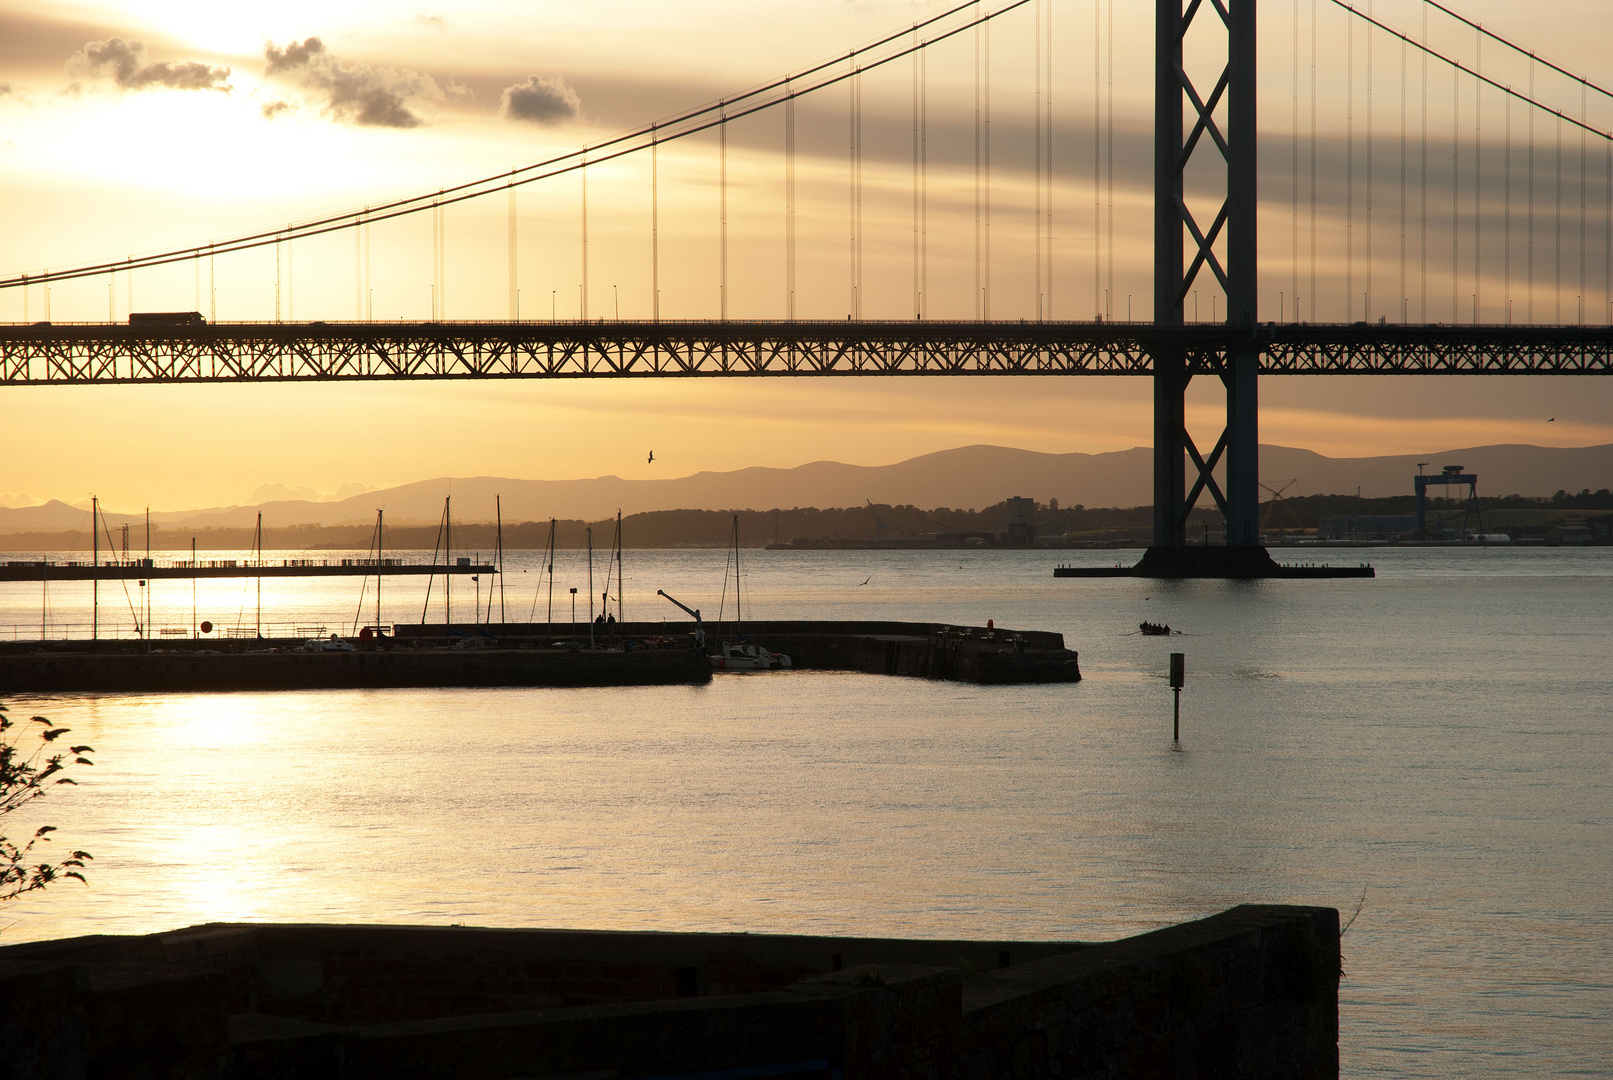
(203, 669)
(487, 655)
(1249, 993)
(974, 654)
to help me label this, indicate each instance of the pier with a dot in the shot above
(526, 654)
(185, 569)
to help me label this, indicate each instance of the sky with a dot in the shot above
(129, 127)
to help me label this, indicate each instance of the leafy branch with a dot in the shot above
(24, 777)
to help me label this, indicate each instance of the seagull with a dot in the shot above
(865, 581)
(1553, 420)
(652, 457)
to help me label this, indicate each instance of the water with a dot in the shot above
(1432, 746)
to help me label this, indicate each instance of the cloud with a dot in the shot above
(5, 88)
(353, 91)
(295, 55)
(272, 109)
(122, 61)
(431, 22)
(286, 492)
(541, 101)
(283, 493)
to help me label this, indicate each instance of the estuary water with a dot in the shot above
(1431, 749)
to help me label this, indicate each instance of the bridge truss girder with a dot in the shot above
(296, 352)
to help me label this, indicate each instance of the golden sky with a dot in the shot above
(131, 127)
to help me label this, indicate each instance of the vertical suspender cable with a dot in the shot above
(1401, 295)
(916, 308)
(1580, 317)
(1607, 233)
(851, 185)
(1036, 139)
(1047, 119)
(1366, 299)
(1097, 157)
(1349, 169)
(1109, 158)
(924, 182)
(977, 284)
(1293, 197)
(789, 205)
(986, 294)
(1478, 174)
(1506, 218)
(655, 214)
(1456, 186)
(582, 289)
(1529, 244)
(1423, 181)
(857, 82)
(1557, 242)
(1310, 295)
(514, 281)
(722, 215)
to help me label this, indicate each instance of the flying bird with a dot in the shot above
(1553, 420)
(865, 581)
(652, 457)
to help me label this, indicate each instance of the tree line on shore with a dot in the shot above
(759, 528)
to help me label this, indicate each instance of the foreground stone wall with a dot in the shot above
(1251, 992)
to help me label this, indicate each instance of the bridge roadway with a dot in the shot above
(93, 353)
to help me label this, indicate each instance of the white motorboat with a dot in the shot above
(748, 658)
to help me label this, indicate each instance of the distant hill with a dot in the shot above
(965, 478)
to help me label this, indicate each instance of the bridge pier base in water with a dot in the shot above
(1237, 563)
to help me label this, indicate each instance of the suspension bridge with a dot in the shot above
(1516, 236)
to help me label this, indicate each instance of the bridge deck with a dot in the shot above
(77, 353)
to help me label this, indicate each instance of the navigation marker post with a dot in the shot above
(1178, 678)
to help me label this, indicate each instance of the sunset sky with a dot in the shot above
(128, 127)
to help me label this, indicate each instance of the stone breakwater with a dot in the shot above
(509, 654)
(1249, 993)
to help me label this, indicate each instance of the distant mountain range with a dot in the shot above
(969, 477)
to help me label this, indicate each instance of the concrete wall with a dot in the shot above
(1248, 993)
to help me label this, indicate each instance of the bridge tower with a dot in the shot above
(1175, 145)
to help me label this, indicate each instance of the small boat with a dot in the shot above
(748, 658)
(743, 657)
(1154, 629)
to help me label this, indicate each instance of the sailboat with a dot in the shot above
(743, 656)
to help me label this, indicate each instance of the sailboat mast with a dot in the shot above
(447, 565)
(431, 578)
(620, 587)
(739, 615)
(498, 510)
(95, 556)
(151, 583)
(590, 533)
(549, 626)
